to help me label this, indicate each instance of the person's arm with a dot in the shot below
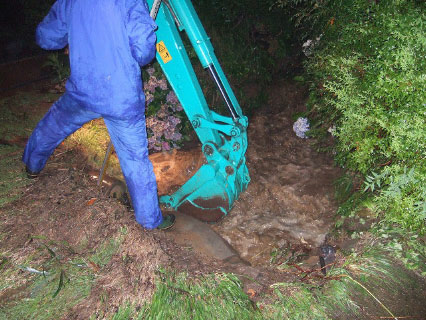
(140, 28)
(52, 32)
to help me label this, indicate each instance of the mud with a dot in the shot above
(289, 202)
(172, 169)
(288, 205)
(65, 209)
(192, 233)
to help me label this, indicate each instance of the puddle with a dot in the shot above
(194, 234)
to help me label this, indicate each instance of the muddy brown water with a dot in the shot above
(290, 198)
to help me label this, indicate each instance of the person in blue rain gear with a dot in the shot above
(108, 42)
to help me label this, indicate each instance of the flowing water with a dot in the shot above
(289, 201)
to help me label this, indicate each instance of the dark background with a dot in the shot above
(18, 20)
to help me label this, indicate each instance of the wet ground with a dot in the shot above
(64, 210)
(288, 209)
(288, 205)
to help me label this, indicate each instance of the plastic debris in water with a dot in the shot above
(300, 127)
(32, 270)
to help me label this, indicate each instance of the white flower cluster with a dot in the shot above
(309, 45)
(300, 127)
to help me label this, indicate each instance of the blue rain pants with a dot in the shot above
(108, 42)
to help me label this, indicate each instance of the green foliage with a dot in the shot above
(259, 36)
(250, 41)
(368, 79)
(59, 63)
(402, 198)
(405, 246)
(344, 187)
(310, 16)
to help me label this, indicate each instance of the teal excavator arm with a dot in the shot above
(211, 192)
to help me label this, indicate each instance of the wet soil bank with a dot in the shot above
(65, 210)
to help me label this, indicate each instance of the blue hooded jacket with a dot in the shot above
(108, 42)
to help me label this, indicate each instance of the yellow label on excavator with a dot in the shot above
(163, 52)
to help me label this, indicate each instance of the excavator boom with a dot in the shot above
(211, 192)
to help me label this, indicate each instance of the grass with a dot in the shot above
(20, 113)
(371, 281)
(92, 141)
(11, 173)
(64, 284)
(214, 296)
(344, 295)
(49, 297)
(294, 301)
(18, 116)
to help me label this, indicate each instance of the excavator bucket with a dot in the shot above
(203, 197)
(210, 193)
